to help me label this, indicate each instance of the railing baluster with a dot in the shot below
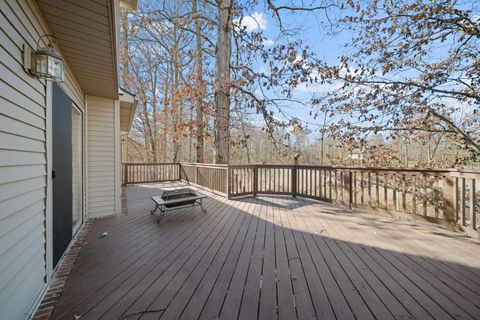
(414, 194)
(369, 181)
(404, 194)
(462, 202)
(425, 200)
(435, 196)
(473, 216)
(321, 182)
(395, 204)
(362, 191)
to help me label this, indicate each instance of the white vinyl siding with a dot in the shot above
(23, 160)
(101, 156)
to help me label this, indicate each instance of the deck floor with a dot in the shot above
(269, 258)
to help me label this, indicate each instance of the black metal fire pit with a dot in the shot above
(175, 198)
(185, 194)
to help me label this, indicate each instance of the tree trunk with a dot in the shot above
(149, 138)
(223, 51)
(190, 130)
(199, 88)
(175, 92)
(164, 121)
(175, 113)
(154, 129)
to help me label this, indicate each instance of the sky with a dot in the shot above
(327, 42)
(316, 31)
(313, 29)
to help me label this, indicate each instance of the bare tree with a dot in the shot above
(200, 90)
(223, 52)
(413, 67)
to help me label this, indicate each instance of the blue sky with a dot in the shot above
(329, 44)
(315, 30)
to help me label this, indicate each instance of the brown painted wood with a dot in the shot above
(215, 299)
(233, 296)
(301, 288)
(285, 303)
(189, 300)
(269, 257)
(414, 194)
(268, 292)
(251, 292)
(473, 214)
(312, 182)
(385, 191)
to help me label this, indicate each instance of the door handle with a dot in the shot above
(53, 174)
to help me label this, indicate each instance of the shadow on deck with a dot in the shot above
(269, 258)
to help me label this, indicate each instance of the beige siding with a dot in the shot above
(23, 161)
(101, 156)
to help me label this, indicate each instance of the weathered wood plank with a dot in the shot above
(224, 283)
(251, 292)
(271, 257)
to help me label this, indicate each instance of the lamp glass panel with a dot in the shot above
(41, 64)
(51, 66)
(58, 70)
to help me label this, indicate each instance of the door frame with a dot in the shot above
(49, 180)
(82, 174)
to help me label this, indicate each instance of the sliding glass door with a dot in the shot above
(77, 169)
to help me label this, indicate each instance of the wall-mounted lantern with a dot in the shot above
(44, 63)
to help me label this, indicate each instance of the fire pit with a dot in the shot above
(176, 198)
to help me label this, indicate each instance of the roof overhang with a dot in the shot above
(86, 33)
(128, 106)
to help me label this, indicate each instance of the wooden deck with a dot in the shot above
(268, 258)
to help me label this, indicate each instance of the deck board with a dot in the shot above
(269, 258)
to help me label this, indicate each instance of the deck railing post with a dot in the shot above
(196, 174)
(347, 185)
(294, 176)
(125, 174)
(473, 201)
(228, 182)
(448, 194)
(255, 180)
(294, 181)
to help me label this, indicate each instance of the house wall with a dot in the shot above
(103, 146)
(24, 127)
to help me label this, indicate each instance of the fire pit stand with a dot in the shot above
(175, 199)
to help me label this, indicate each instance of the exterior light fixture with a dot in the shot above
(44, 63)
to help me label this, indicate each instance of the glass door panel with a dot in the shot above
(77, 169)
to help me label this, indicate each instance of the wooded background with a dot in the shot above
(212, 89)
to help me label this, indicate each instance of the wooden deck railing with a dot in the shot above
(447, 195)
(212, 177)
(149, 172)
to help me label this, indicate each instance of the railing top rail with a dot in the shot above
(451, 171)
(445, 194)
(150, 163)
(205, 165)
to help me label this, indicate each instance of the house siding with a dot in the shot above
(23, 161)
(101, 157)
